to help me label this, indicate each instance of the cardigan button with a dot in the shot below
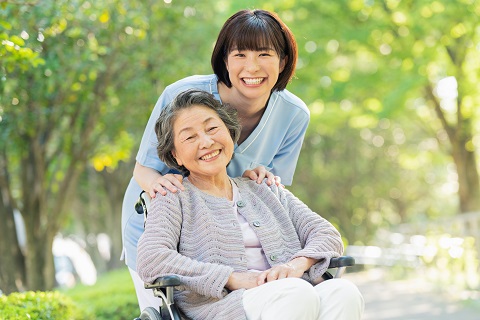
(273, 257)
(256, 224)
(241, 203)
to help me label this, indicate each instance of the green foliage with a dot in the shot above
(112, 297)
(78, 81)
(376, 153)
(38, 305)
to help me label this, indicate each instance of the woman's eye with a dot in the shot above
(266, 54)
(212, 129)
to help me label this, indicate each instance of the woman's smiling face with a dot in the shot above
(202, 142)
(254, 73)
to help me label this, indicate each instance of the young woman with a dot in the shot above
(253, 60)
(242, 250)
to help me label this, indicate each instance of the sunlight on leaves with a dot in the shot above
(363, 121)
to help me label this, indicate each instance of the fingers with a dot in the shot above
(276, 273)
(252, 175)
(271, 178)
(262, 277)
(278, 181)
(262, 173)
(170, 182)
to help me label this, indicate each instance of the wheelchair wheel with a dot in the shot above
(150, 313)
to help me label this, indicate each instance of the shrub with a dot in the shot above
(112, 297)
(38, 305)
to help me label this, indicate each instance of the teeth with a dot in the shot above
(210, 155)
(253, 81)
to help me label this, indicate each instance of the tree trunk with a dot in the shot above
(468, 182)
(115, 184)
(466, 163)
(12, 264)
(39, 261)
(43, 210)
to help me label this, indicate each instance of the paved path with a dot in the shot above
(406, 299)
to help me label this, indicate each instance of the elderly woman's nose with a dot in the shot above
(206, 141)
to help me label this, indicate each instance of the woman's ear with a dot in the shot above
(283, 63)
(174, 154)
(225, 61)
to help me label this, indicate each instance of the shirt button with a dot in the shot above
(273, 257)
(256, 224)
(241, 203)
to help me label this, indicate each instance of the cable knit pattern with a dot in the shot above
(197, 237)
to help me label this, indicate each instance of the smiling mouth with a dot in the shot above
(251, 81)
(210, 155)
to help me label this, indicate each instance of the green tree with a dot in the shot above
(53, 114)
(363, 64)
(14, 55)
(104, 66)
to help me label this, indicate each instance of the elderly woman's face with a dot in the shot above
(202, 142)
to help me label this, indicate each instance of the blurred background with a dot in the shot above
(390, 156)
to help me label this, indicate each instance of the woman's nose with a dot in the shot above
(251, 65)
(205, 141)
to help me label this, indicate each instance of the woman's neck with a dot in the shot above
(218, 186)
(246, 108)
(250, 111)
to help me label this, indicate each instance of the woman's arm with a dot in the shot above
(158, 256)
(152, 181)
(319, 239)
(285, 160)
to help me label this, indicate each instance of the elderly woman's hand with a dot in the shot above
(260, 173)
(242, 280)
(292, 269)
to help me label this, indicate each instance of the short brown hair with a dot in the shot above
(186, 100)
(254, 30)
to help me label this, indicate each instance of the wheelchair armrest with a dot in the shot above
(344, 261)
(164, 282)
(143, 203)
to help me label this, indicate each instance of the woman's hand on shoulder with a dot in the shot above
(259, 173)
(152, 181)
(170, 181)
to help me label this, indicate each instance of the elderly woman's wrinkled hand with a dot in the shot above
(286, 270)
(242, 280)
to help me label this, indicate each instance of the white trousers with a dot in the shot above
(290, 298)
(293, 298)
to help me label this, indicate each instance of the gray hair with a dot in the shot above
(186, 100)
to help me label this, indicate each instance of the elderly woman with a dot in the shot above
(242, 250)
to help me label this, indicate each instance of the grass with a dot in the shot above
(112, 297)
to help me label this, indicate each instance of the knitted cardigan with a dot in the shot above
(197, 236)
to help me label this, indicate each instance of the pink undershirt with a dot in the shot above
(256, 259)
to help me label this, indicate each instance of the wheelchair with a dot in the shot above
(163, 287)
